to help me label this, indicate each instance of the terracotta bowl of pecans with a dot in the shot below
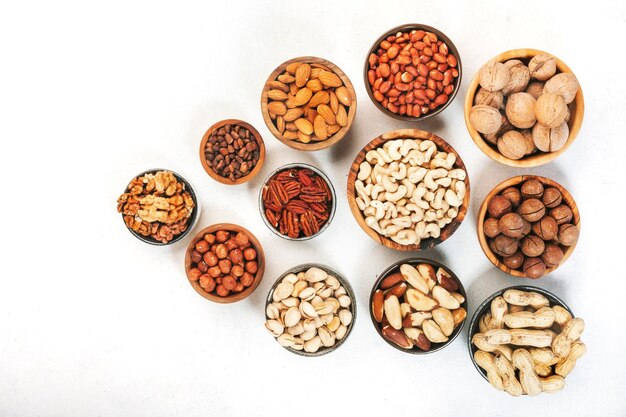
(232, 151)
(159, 207)
(308, 103)
(297, 202)
(412, 72)
(224, 263)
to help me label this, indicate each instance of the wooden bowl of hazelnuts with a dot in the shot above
(528, 226)
(524, 108)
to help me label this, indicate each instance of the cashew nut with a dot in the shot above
(371, 222)
(416, 174)
(369, 211)
(429, 148)
(408, 145)
(432, 175)
(443, 162)
(377, 189)
(404, 221)
(393, 149)
(432, 230)
(373, 157)
(397, 195)
(457, 174)
(405, 237)
(414, 158)
(410, 187)
(389, 184)
(360, 203)
(400, 173)
(379, 207)
(362, 192)
(452, 198)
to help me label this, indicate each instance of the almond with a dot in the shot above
(303, 72)
(344, 96)
(342, 116)
(289, 135)
(293, 67)
(315, 73)
(319, 126)
(321, 97)
(277, 85)
(329, 79)
(286, 78)
(277, 95)
(277, 108)
(334, 102)
(304, 126)
(303, 137)
(280, 124)
(328, 115)
(315, 85)
(420, 301)
(332, 129)
(293, 114)
(303, 96)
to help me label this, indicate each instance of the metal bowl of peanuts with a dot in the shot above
(310, 310)
(525, 341)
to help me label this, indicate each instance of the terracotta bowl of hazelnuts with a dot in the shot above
(528, 226)
(524, 108)
(224, 263)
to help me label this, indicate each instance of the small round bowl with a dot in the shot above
(344, 283)
(435, 347)
(485, 307)
(332, 208)
(442, 145)
(257, 137)
(195, 214)
(311, 146)
(404, 28)
(233, 297)
(515, 181)
(577, 110)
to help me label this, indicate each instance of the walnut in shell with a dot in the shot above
(550, 109)
(520, 75)
(535, 88)
(542, 66)
(493, 99)
(485, 119)
(520, 110)
(493, 76)
(564, 84)
(550, 140)
(512, 145)
(528, 140)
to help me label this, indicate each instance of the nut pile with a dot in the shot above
(408, 190)
(529, 226)
(522, 108)
(527, 346)
(232, 151)
(308, 102)
(310, 311)
(157, 206)
(224, 262)
(412, 73)
(297, 202)
(417, 306)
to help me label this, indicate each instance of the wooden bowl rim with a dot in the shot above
(482, 309)
(195, 214)
(415, 261)
(234, 297)
(311, 146)
(257, 137)
(574, 125)
(514, 181)
(353, 304)
(410, 26)
(406, 134)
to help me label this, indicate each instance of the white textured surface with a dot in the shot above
(94, 322)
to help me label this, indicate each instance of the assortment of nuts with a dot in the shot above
(412, 73)
(156, 205)
(417, 306)
(224, 262)
(297, 202)
(522, 107)
(409, 190)
(310, 311)
(529, 226)
(308, 102)
(526, 345)
(231, 151)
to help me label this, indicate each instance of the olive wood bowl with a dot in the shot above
(577, 110)
(516, 181)
(442, 145)
(257, 137)
(313, 145)
(232, 297)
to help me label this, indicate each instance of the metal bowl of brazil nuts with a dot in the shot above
(310, 310)
(482, 320)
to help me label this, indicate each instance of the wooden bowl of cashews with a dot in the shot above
(408, 189)
(525, 340)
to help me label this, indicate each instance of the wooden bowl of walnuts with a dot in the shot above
(528, 226)
(524, 108)
(308, 103)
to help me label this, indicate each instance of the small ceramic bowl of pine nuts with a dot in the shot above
(310, 310)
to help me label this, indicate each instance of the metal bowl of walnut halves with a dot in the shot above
(159, 207)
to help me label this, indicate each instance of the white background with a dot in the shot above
(94, 322)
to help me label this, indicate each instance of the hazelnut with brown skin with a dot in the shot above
(514, 261)
(505, 245)
(546, 228)
(532, 189)
(552, 255)
(533, 268)
(512, 225)
(562, 214)
(532, 210)
(491, 228)
(498, 206)
(551, 197)
(532, 246)
(513, 195)
(568, 234)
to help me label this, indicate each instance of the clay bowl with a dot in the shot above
(515, 181)
(233, 297)
(304, 267)
(404, 28)
(435, 347)
(313, 145)
(257, 137)
(577, 110)
(442, 145)
(195, 214)
(485, 307)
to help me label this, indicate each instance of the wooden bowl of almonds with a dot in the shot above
(308, 103)
(524, 108)
(310, 310)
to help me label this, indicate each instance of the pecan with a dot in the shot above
(290, 224)
(277, 188)
(271, 217)
(312, 198)
(304, 175)
(297, 206)
(292, 188)
(309, 223)
(324, 186)
(318, 207)
(287, 175)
